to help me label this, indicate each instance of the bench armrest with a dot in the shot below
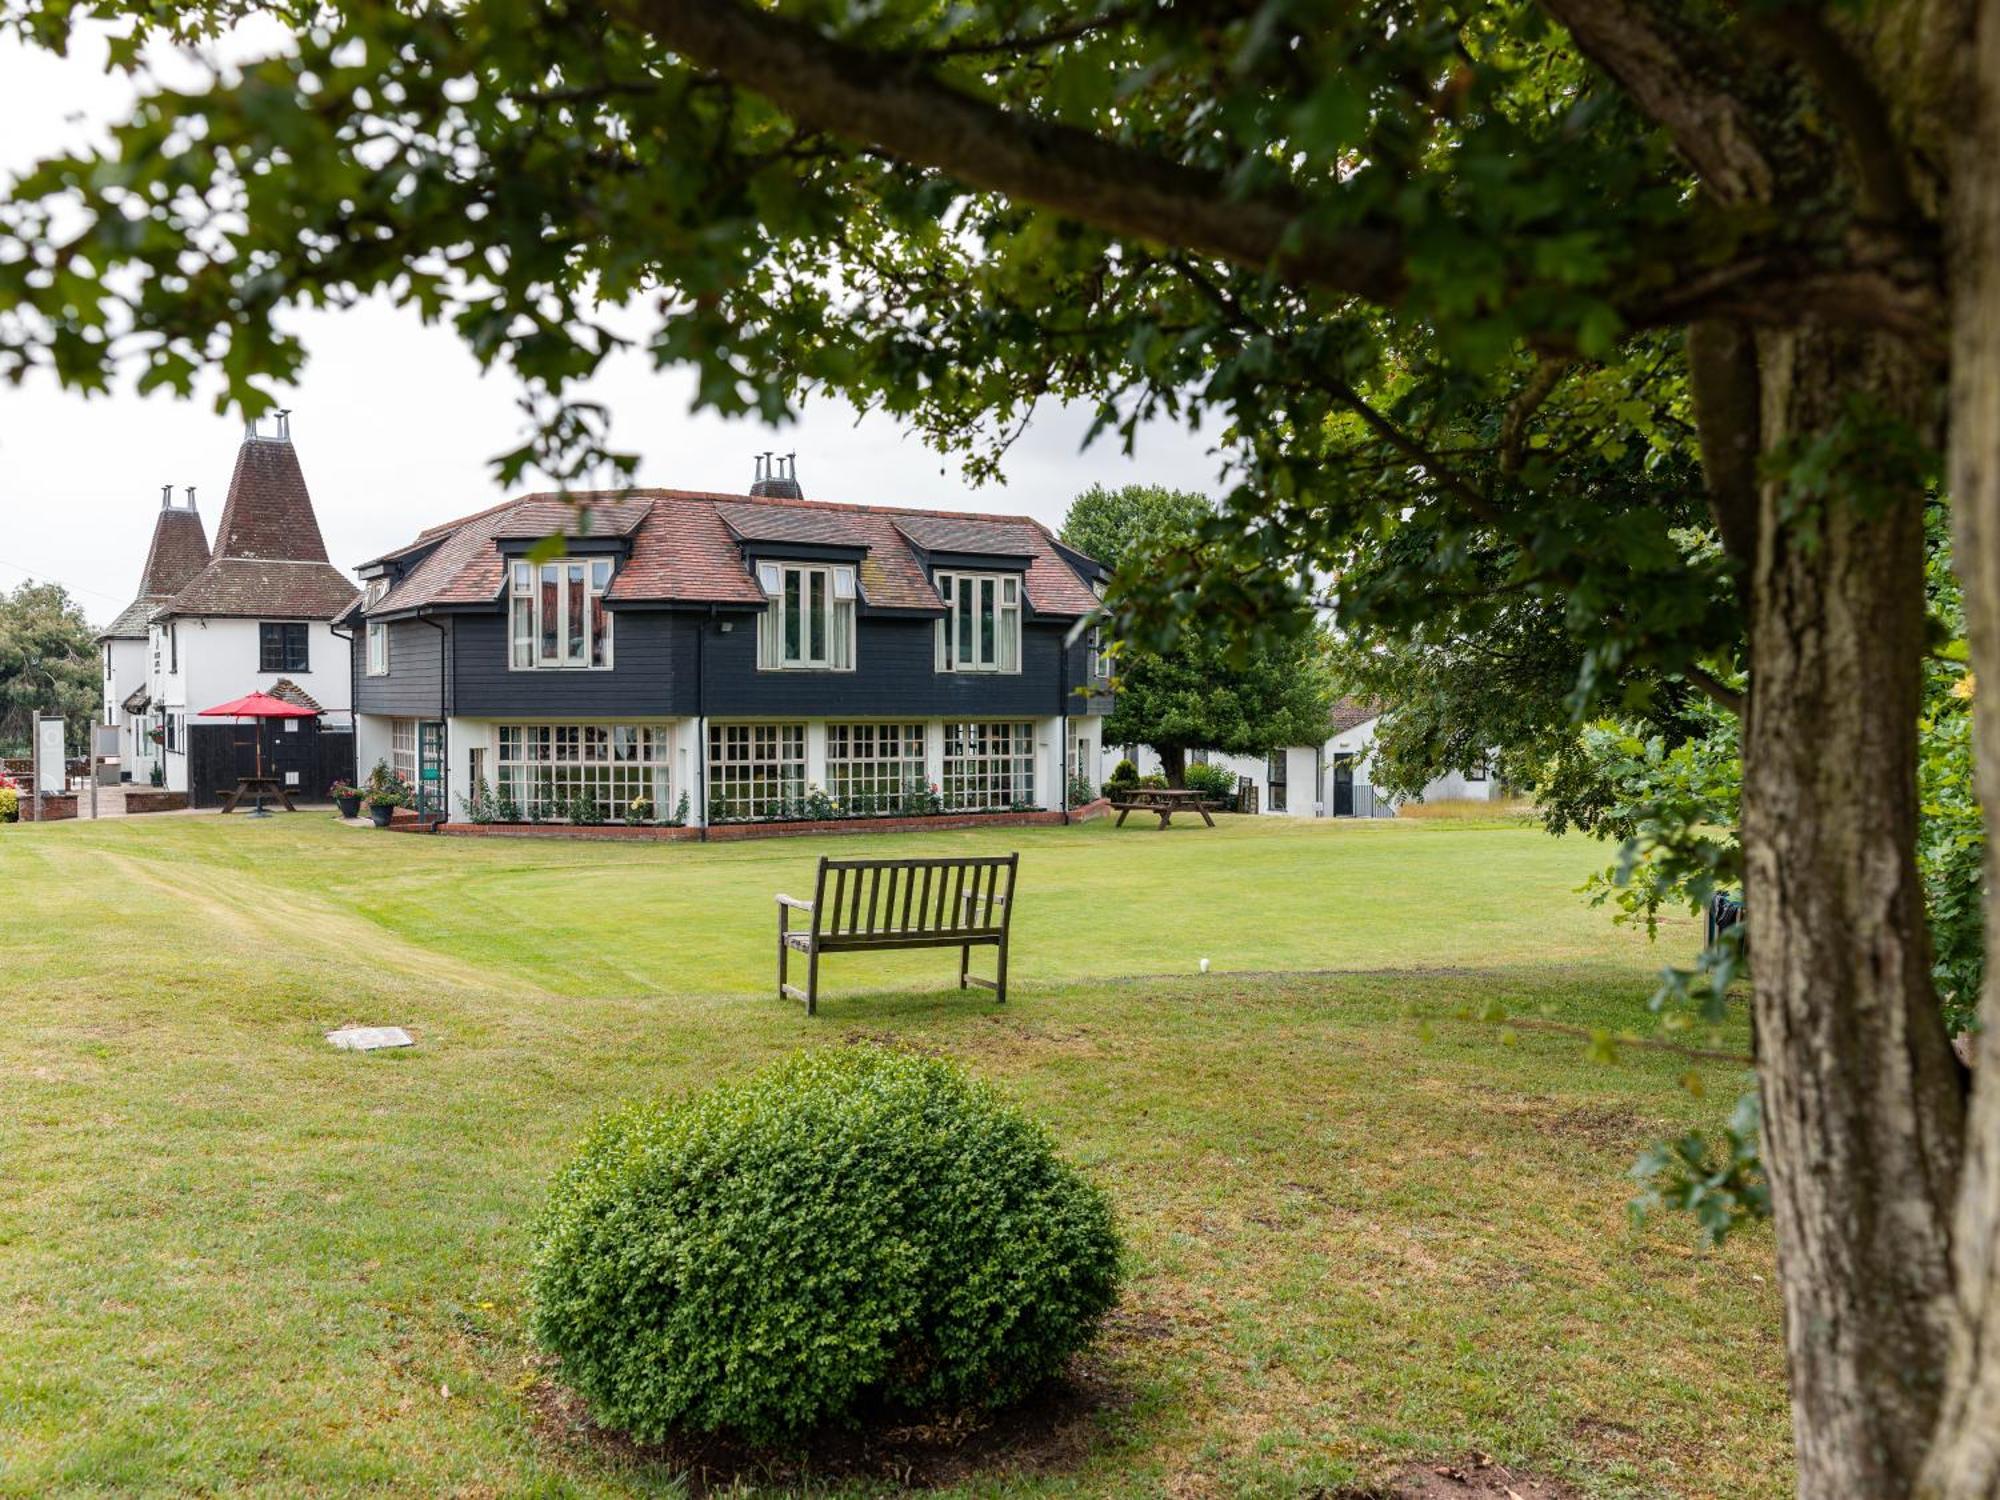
(795, 903)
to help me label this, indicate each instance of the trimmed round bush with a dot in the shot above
(850, 1230)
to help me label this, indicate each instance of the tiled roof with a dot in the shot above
(1351, 712)
(244, 588)
(287, 691)
(687, 546)
(179, 550)
(270, 561)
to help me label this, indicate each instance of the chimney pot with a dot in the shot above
(284, 424)
(190, 494)
(166, 497)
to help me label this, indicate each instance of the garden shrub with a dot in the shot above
(1124, 773)
(1212, 781)
(852, 1230)
(10, 805)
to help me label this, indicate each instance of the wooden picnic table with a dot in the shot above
(1166, 801)
(259, 787)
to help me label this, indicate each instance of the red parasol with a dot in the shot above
(258, 706)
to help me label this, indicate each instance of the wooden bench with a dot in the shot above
(869, 905)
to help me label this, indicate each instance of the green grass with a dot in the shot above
(1363, 1229)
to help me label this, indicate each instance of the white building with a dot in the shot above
(258, 617)
(179, 551)
(1332, 779)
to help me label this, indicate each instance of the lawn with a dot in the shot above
(1365, 1229)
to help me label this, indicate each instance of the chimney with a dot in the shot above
(284, 424)
(777, 477)
(190, 495)
(166, 497)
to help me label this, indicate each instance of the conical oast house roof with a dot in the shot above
(270, 561)
(178, 552)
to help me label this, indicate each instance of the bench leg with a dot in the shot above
(784, 954)
(1205, 817)
(1166, 817)
(1123, 812)
(812, 981)
(1000, 974)
(964, 964)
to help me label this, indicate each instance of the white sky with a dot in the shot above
(394, 422)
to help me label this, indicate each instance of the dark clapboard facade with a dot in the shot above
(762, 656)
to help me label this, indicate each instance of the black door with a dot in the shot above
(1343, 786)
(1274, 772)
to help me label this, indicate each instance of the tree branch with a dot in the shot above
(890, 103)
(1718, 692)
(1521, 410)
(1722, 376)
(1850, 97)
(1712, 127)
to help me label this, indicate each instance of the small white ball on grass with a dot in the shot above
(1204, 966)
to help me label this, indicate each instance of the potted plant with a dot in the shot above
(387, 790)
(347, 797)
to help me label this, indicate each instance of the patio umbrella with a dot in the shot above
(259, 706)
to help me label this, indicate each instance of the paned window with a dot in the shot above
(544, 768)
(378, 649)
(873, 768)
(981, 629)
(281, 647)
(989, 766)
(556, 614)
(755, 770)
(809, 623)
(403, 748)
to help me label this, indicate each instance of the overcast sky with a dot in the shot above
(394, 423)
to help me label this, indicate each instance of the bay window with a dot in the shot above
(981, 629)
(556, 614)
(809, 623)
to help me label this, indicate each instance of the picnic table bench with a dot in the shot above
(1166, 801)
(259, 787)
(868, 905)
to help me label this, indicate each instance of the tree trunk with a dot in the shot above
(1862, 1097)
(1964, 1462)
(1173, 763)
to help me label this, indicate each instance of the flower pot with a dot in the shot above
(381, 815)
(350, 807)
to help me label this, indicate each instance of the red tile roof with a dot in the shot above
(270, 561)
(687, 546)
(1350, 712)
(179, 550)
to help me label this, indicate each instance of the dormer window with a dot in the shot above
(981, 629)
(809, 623)
(556, 614)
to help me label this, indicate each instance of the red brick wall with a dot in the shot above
(731, 832)
(137, 801)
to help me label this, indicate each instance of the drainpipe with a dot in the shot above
(1062, 730)
(353, 695)
(444, 717)
(701, 720)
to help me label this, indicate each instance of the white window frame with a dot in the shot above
(989, 765)
(403, 749)
(544, 768)
(378, 648)
(588, 649)
(755, 771)
(875, 767)
(968, 600)
(787, 583)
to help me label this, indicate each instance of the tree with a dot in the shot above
(1348, 233)
(1203, 689)
(48, 664)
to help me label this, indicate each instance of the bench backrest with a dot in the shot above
(908, 897)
